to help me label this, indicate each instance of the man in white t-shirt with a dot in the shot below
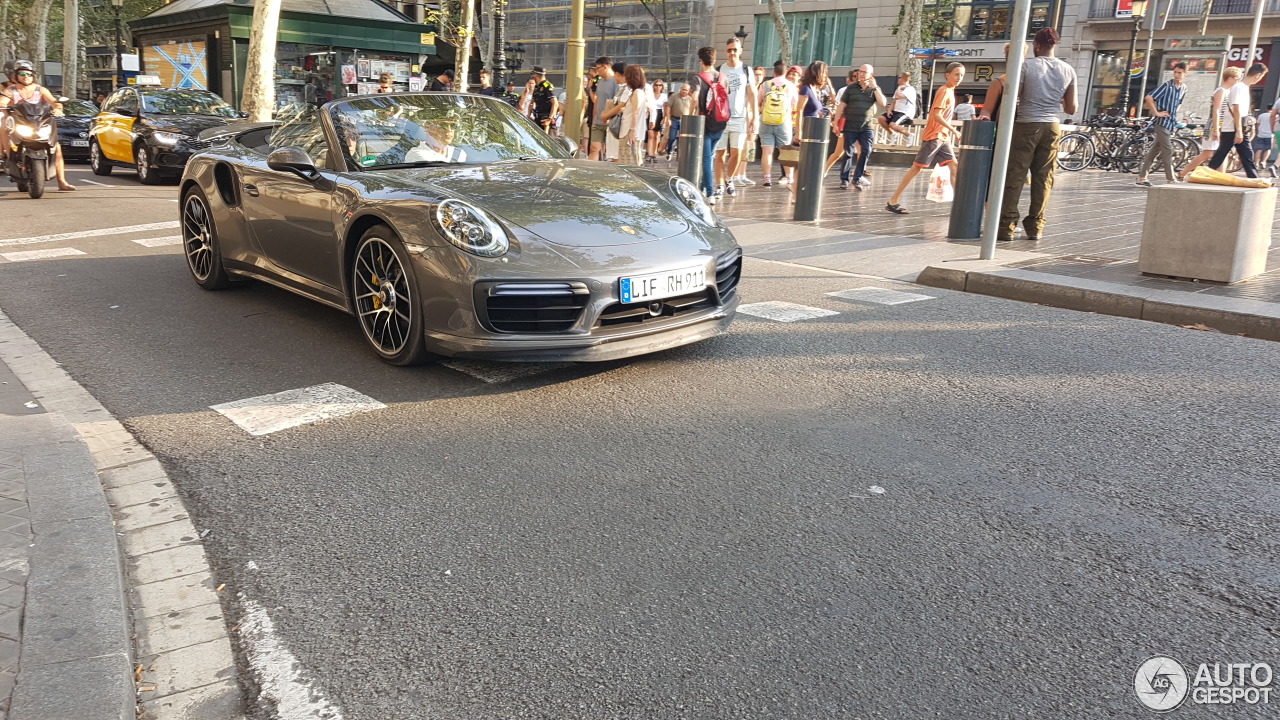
(903, 113)
(742, 113)
(1262, 140)
(1233, 130)
(965, 110)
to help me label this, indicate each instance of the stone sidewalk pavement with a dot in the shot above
(1086, 261)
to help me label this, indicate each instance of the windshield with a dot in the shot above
(185, 102)
(436, 129)
(79, 108)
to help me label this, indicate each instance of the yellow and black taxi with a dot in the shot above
(154, 129)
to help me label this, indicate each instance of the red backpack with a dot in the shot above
(717, 103)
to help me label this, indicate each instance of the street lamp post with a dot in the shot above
(499, 46)
(1139, 10)
(115, 5)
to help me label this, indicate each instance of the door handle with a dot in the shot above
(252, 190)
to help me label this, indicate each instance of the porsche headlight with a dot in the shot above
(468, 227)
(24, 131)
(692, 198)
(166, 138)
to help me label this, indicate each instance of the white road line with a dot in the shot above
(159, 241)
(39, 254)
(880, 296)
(90, 233)
(784, 311)
(278, 671)
(266, 414)
(94, 182)
(496, 372)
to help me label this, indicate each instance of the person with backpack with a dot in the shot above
(731, 150)
(712, 104)
(777, 106)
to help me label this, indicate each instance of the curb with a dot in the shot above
(180, 666)
(1235, 316)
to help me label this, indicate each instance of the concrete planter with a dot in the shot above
(1207, 232)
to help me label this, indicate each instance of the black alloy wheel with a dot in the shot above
(97, 162)
(200, 242)
(385, 294)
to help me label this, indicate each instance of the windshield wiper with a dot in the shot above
(417, 164)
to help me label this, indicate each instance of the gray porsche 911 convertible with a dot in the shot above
(449, 224)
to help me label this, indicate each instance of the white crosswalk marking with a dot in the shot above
(266, 414)
(784, 311)
(172, 224)
(880, 296)
(40, 254)
(496, 372)
(160, 241)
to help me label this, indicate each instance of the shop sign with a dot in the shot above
(1124, 8)
(428, 38)
(1236, 55)
(1203, 43)
(977, 50)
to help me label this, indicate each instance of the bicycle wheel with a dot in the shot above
(1130, 155)
(1184, 151)
(1075, 152)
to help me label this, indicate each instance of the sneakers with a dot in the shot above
(784, 181)
(844, 184)
(768, 182)
(863, 182)
(1143, 183)
(719, 191)
(730, 190)
(711, 200)
(1272, 169)
(744, 180)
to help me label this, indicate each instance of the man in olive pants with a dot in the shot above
(1048, 88)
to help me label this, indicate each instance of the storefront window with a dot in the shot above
(990, 20)
(299, 65)
(1109, 76)
(361, 72)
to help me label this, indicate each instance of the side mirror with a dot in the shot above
(243, 114)
(568, 145)
(293, 160)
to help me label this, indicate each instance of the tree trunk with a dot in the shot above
(466, 31)
(784, 33)
(4, 29)
(70, 46)
(483, 41)
(1204, 16)
(37, 30)
(259, 97)
(908, 36)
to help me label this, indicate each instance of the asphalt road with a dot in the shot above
(961, 507)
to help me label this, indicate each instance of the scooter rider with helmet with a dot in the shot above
(25, 90)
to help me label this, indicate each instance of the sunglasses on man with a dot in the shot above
(26, 74)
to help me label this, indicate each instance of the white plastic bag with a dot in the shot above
(940, 189)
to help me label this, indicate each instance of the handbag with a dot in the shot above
(615, 122)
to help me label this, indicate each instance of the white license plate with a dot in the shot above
(643, 288)
(78, 143)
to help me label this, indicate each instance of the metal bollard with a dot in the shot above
(689, 148)
(977, 146)
(808, 180)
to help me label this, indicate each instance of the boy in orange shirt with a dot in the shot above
(935, 141)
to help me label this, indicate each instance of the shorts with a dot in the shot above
(735, 135)
(897, 118)
(1262, 142)
(598, 133)
(775, 135)
(934, 151)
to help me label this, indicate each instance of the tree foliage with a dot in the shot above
(921, 24)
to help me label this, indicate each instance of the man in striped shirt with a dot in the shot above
(1163, 104)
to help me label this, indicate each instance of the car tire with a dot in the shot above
(142, 159)
(200, 242)
(385, 298)
(99, 164)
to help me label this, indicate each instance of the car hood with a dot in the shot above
(186, 124)
(575, 203)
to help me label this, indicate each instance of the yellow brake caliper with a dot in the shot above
(377, 301)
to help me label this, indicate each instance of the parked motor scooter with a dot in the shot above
(32, 137)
